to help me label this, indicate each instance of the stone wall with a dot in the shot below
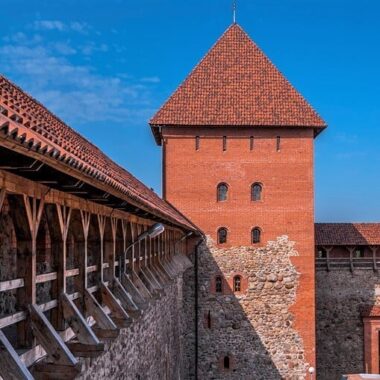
(150, 348)
(253, 328)
(340, 296)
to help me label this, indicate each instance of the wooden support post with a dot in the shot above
(102, 226)
(64, 215)
(3, 194)
(112, 253)
(86, 217)
(351, 249)
(374, 258)
(87, 344)
(105, 327)
(33, 209)
(59, 356)
(122, 257)
(118, 314)
(11, 366)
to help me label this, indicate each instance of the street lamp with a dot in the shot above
(311, 370)
(153, 231)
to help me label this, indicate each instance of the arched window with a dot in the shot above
(222, 191)
(218, 284)
(222, 235)
(256, 190)
(226, 362)
(237, 283)
(256, 235)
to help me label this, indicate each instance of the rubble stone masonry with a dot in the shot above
(340, 296)
(254, 328)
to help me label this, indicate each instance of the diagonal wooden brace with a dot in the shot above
(56, 349)
(88, 343)
(125, 299)
(137, 297)
(105, 326)
(118, 314)
(11, 366)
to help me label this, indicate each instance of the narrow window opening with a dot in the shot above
(226, 362)
(224, 143)
(321, 253)
(209, 319)
(251, 143)
(218, 284)
(256, 235)
(197, 142)
(256, 190)
(237, 284)
(222, 191)
(222, 235)
(278, 143)
(359, 252)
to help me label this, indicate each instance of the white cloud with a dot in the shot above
(78, 93)
(75, 26)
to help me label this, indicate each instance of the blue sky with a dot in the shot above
(105, 67)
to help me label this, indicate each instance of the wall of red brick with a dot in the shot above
(287, 206)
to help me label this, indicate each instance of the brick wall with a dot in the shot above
(191, 177)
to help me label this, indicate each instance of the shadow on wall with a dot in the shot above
(245, 328)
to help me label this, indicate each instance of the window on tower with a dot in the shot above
(222, 235)
(197, 142)
(224, 143)
(226, 362)
(256, 235)
(218, 284)
(222, 191)
(237, 283)
(278, 143)
(256, 190)
(251, 143)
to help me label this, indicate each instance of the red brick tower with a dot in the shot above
(238, 161)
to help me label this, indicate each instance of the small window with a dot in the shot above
(237, 283)
(222, 191)
(197, 142)
(226, 362)
(278, 143)
(222, 235)
(256, 235)
(359, 252)
(224, 143)
(218, 284)
(251, 143)
(321, 253)
(209, 319)
(256, 191)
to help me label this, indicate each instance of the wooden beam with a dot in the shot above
(77, 322)
(125, 299)
(11, 284)
(85, 217)
(105, 327)
(102, 227)
(46, 277)
(11, 366)
(12, 319)
(3, 194)
(52, 343)
(130, 287)
(118, 314)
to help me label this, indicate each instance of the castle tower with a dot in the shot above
(237, 144)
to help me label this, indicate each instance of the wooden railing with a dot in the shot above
(351, 263)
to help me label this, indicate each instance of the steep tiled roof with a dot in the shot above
(347, 233)
(235, 84)
(30, 124)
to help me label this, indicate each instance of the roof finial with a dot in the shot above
(234, 12)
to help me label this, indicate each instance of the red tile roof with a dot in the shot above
(347, 233)
(30, 124)
(235, 84)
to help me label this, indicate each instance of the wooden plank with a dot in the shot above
(12, 319)
(130, 287)
(52, 343)
(11, 284)
(118, 314)
(45, 371)
(41, 278)
(11, 367)
(125, 299)
(104, 322)
(48, 305)
(92, 268)
(77, 322)
(72, 272)
(3, 194)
